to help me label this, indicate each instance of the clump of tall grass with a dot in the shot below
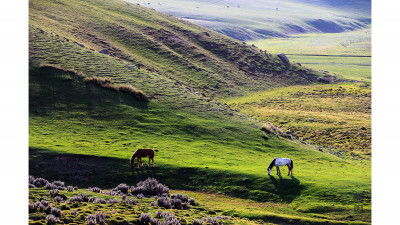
(150, 187)
(108, 83)
(274, 130)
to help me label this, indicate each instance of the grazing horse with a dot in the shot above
(139, 154)
(277, 162)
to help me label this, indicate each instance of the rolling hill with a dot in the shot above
(251, 20)
(203, 60)
(84, 134)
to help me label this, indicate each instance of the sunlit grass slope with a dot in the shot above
(85, 135)
(204, 60)
(331, 116)
(348, 54)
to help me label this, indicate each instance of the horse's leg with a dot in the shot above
(149, 162)
(277, 170)
(288, 169)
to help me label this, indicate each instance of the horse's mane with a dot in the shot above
(272, 164)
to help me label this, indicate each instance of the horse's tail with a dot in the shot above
(291, 166)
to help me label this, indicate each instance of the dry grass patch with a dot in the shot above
(108, 83)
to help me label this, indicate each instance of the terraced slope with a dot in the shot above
(211, 63)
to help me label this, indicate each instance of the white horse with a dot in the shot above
(277, 162)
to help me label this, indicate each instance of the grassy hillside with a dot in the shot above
(84, 134)
(347, 54)
(203, 60)
(251, 20)
(333, 117)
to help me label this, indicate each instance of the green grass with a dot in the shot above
(347, 54)
(341, 113)
(85, 135)
(201, 59)
(93, 137)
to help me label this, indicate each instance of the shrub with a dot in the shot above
(58, 199)
(164, 202)
(45, 203)
(84, 197)
(145, 218)
(159, 214)
(58, 183)
(76, 199)
(192, 201)
(94, 189)
(32, 186)
(54, 192)
(56, 211)
(32, 207)
(122, 188)
(150, 187)
(74, 212)
(131, 201)
(113, 201)
(176, 203)
(101, 201)
(51, 219)
(40, 182)
(183, 198)
(70, 188)
(50, 186)
(169, 219)
(92, 199)
(97, 218)
(31, 179)
(153, 203)
(212, 220)
(197, 222)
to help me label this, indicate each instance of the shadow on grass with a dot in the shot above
(54, 90)
(107, 172)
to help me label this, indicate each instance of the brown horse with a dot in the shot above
(139, 154)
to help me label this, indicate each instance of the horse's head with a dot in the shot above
(269, 171)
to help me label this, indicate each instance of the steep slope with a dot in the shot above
(212, 64)
(251, 20)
